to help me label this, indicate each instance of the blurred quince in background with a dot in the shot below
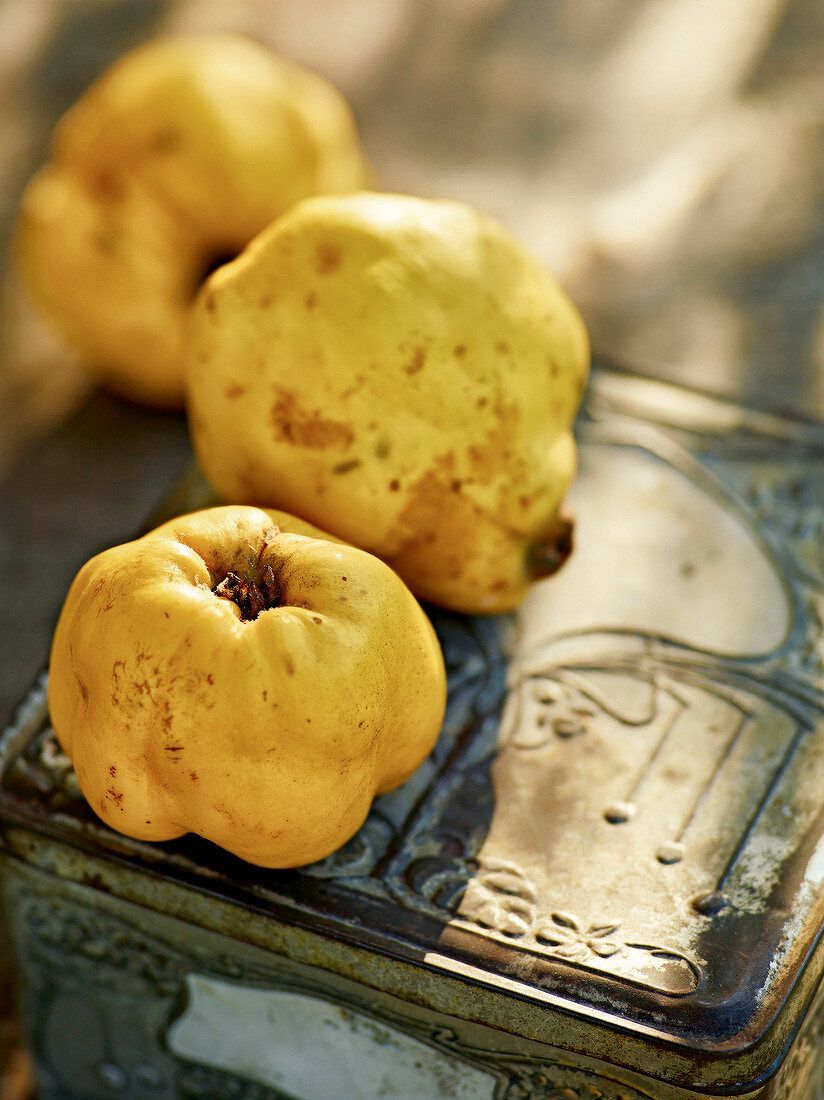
(169, 164)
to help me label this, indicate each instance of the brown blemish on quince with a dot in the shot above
(328, 258)
(165, 140)
(493, 455)
(439, 529)
(293, 424)
(235, 390)
(428, 512)
(417, 362)
(116, 797)
(105, 241)
(121, 665)
(223, 809)
(359, 381)
(346, 467)
(108, 186)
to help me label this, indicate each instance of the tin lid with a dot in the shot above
(622, 825)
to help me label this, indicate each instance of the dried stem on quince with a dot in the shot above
(547, 556)
(251, 596)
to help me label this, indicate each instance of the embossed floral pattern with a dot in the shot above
(789, 507)
(562, 932)
(550, 709)
(502, 899)
(502, 903)
(563, 1083)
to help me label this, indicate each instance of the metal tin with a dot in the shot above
(606, 883)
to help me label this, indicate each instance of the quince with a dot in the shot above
(404, 373)
(236, 674)
(172, 161)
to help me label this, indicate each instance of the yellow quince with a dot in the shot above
(237, 674)
(169, 164)
(404, 373)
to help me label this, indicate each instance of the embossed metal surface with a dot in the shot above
(622, 821)
(135, 1003)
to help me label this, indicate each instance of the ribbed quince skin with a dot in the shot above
(404, 373)
(173, 160)
(236, 674)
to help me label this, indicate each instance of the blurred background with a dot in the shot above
(665, 158)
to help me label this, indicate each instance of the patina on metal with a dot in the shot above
(606, 883)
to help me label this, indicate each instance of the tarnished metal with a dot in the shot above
(606, 882)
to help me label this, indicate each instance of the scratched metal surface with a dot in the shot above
(623, 812)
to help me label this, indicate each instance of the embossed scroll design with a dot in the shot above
(787, 501)
(552, 707)
(69, 946)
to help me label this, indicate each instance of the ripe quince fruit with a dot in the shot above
(404, 373)
(171, 162)
(237, 674)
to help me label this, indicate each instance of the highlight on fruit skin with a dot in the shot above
(239, 674)
(402, 372)
(169, 164)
